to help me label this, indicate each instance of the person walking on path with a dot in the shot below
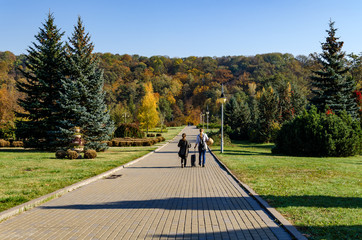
(201, 140)
(184, 146)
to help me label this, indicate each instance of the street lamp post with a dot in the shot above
(200, 119)
(203, 120)
(223, 100)
(207, 117)
(125, 115)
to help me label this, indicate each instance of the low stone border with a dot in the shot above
(284, 223)
(37, 202)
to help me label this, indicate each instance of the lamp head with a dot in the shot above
(222, 97)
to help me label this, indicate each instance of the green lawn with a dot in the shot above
(28, 174)
(171, 132)
(322, 197)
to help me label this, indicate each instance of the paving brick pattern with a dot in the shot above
(152, 199)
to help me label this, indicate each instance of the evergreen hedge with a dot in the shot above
(4, 143)
(211, 125)
(320, 135)
(17, 144)
(134, 142)
(128, 130)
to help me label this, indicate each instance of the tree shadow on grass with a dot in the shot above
(247, 144)
(258, 146)
(126, 151)
(22, 150)
(313, 201)
(245, 153)
(332, 232)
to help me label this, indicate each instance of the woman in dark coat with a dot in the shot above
(184, 146)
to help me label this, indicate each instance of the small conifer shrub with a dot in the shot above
(17, 144)
(60, 154)
(4, 143)
(90, 154)
(72, 154)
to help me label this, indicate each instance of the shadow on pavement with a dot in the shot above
(257, 233)
(174, 152)
(198, 203)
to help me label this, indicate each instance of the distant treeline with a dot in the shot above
(185, 87)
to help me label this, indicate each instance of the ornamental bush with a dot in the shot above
(17, 144)
(138, 143)
(4, 143)
(72, 154)
(115, 143)
(128, 130)
(320, 135)
(7, 131)
(60, 154)
(148, 142)
(90, 154)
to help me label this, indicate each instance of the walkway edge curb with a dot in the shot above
(284, 223)
(58, 193)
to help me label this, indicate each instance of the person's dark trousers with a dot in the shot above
(183, 161)
(202, 155)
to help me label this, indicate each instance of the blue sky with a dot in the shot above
(181, 28)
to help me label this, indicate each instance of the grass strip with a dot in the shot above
(28, 174)
(322, 197)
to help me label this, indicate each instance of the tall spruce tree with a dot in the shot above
(268, 115)
(232, 113)
(237, 116)
(82, 95)
(333, 85)
(44, 71)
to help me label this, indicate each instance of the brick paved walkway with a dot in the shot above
(153, 198)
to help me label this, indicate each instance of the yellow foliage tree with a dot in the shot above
(7, 105)
(193, 116)
(148, 115)
(170, 98)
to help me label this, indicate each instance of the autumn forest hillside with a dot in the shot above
(185, 87)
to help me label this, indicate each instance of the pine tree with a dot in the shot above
(237, 116)
(245, 120)
(44, 71)
(82, 95)
(232, 113)
(285, 105)
(252, 103)
(333, 85)
(148, 115)
(267, 120)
